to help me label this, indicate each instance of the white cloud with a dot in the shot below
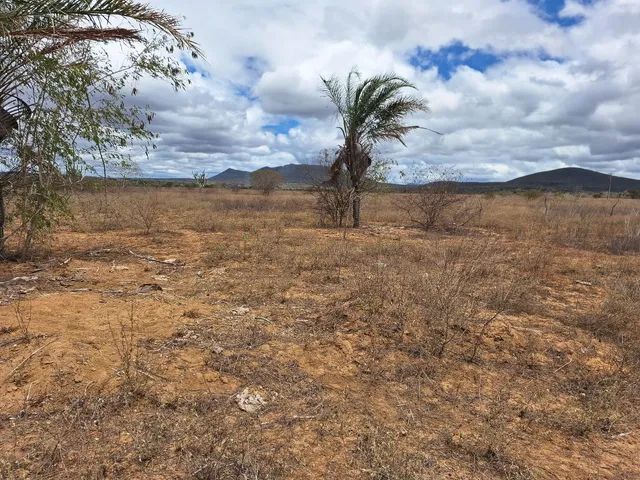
(576, 105)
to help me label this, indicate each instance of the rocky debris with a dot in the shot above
(168, 261)
(149, 287)
(251, 399)
(20, 280)
(240, 311)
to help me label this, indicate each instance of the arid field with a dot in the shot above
(177, 333)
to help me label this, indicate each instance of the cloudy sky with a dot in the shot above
(516, 86)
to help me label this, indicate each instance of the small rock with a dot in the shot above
(240, 311)
(250, 400)
(217, 349)
(161, 278)
(118, 268)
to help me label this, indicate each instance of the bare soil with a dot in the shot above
(113, 365)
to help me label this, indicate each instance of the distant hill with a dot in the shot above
(293, 174)
(574, 179)
(232, 176)
(564, 179)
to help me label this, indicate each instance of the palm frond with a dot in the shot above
(372, 110)
(55, 16)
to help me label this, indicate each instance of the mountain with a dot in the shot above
(293, 174)
(574, 179)
(564, 179)
(232, 176)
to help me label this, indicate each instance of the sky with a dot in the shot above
(515, 86)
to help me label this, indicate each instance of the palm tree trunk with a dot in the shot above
(356, 206)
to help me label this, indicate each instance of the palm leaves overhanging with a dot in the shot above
(32, 29)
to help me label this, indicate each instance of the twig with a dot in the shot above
(561, 367)
(29, 357)
(152, 259)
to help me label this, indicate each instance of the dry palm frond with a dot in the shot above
(65, 18)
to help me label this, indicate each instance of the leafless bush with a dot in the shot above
(98, 212)
(629, 239)
(436, 202)
(23, 319)
(125, 336)
(612, 395)
(146, 210)
(573, 222)
(333, 200)
(449, 297)
(334, 197)
(266, 180)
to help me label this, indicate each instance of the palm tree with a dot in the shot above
(371, 111)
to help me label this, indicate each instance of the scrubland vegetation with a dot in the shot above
(212, 334)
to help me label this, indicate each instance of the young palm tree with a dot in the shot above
(371, 111)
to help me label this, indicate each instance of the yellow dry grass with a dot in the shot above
(509, 349)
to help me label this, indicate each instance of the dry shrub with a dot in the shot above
(333, 201)
(437, 203)
(611, 397)
(629, 239)
(146, 209)
(205, 222)
(97, 212)
(443, 299)
(572, 222)
(266, 180)
(380, 454)
(23, 319)
(125, 339)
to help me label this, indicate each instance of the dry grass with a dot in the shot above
(509, 350)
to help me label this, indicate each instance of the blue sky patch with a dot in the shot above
(254, 68)
(549, 10)
(192, 67)
(244, 91)
(282, 127)
(447, 59)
